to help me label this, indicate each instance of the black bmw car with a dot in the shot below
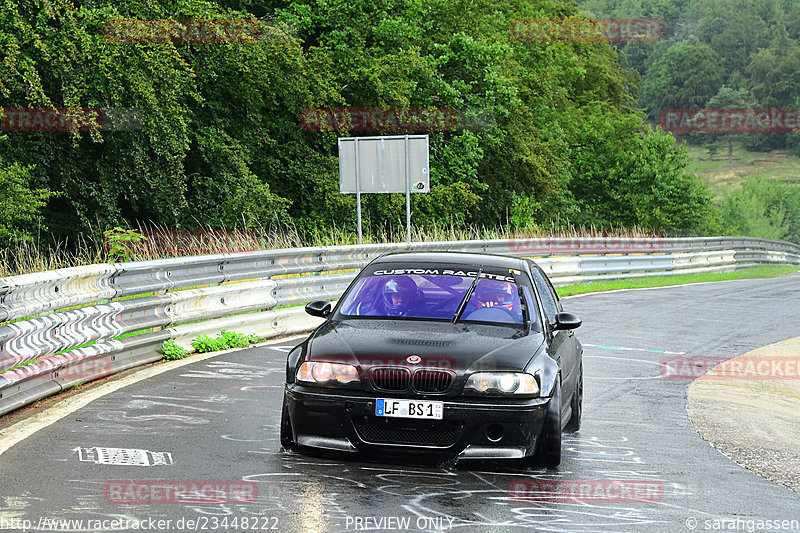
(467, 355)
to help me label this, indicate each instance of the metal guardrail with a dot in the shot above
(75, 322)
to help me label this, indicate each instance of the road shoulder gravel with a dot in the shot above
(755, 422)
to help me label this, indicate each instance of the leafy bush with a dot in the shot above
(225, 341)
(20, 205)
(119, 240)
(762, 208)
(173, 351)
(204, 343)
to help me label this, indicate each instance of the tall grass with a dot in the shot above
(28, 257)
(166, 243)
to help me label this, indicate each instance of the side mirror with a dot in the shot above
(567, 321)
(319, 308)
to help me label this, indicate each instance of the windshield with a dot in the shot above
(495, 298)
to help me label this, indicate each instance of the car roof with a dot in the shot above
(455, 258)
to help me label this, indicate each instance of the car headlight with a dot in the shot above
(316, 372)
(503, 382)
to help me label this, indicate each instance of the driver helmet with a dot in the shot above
(398, 295)
(498, 292)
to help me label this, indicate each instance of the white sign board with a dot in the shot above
(381, 164)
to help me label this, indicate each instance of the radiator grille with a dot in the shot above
(432, 380)
(391, 379)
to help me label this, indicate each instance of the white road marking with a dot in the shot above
(619, 348)
(285, 349)
(123, 456)
(657, 376)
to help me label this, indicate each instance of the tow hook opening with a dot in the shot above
(494, 432)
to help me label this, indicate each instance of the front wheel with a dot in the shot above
(548, 450)
(574, 423)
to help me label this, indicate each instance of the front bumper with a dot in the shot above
(471, 428)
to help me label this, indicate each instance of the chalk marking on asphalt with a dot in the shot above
(587, 454)
(627, 360)
(623, 359)
(602, 347)
(234, 439)
(23, 429)
(267, 452)
(390, 470)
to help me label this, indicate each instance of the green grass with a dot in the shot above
(26, 363)
(132, 334)
(777, 164)
(664, 281)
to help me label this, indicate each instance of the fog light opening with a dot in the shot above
(494, 432)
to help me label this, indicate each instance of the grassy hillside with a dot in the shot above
(778, 164)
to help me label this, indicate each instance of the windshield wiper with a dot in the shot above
(464, 301)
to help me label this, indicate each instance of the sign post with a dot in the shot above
(388, 164)
(408, 196)
(358, 192)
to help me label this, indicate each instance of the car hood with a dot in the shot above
(461, 347)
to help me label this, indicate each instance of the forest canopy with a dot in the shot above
(555, 137)
(716, 53)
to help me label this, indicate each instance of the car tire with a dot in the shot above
(548, 451)
(287, 438)
(574, 423)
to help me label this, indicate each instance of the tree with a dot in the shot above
(20, 205)
(686, 76)
(764, 208)
(735, 30)
(726, 98)
(221, 143)
(774, 76)
(644, 184)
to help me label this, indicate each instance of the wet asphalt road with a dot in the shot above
(218, 420)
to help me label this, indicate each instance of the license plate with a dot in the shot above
(409, 408)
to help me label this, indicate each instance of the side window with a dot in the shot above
(533, 309)
(554, 294)
(546, 293)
